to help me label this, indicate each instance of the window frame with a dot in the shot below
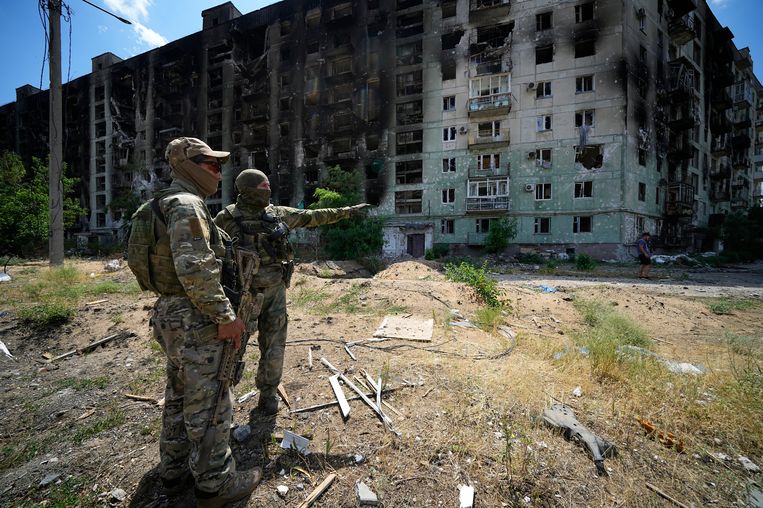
(583, 190)
(580, 84)
(543, 90)
(577, 224)
(450, 105)
(450, 163)
(539, 223)
(544, 123)
(448, 196)
(540, 190)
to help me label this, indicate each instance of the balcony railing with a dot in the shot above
(681, 30)
(488, 171)
(487, 204)
(489, 102)
(743, 95)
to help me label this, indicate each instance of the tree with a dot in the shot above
(743, 234)
(24, 206)
(500, 233)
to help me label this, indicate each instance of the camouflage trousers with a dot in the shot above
(271, 339)
(193, 355)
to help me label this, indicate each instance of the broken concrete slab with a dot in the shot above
(49, 478)
(396, 327)
(366, 496)
(749, 465)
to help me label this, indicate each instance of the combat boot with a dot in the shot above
(238, 485)
(176, 486)
(267, 405)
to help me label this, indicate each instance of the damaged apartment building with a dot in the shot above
(586, 121)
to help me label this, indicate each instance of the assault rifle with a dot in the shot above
(232, 365)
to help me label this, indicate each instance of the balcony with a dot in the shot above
(743, 95)
(484, 10)
(500, 139)
(489, 105)
(343, 18)
(741, 142)
(723, 76)
(412, 88)
(758, 157)
(721, 100)
(681, 83)
(686, 118)
(680, 200)
(741, 163)
(720, 146)
(488, 171)
(721, 172)
(681, 30)
(473, 238)
(487, 204)
(680, 149)
(720, 195)
(682, 7)
(739, 201)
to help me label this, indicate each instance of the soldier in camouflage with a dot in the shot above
(192, 319)
(264, 228)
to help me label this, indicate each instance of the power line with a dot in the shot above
(123, 20)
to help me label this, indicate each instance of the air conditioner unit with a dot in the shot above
(463, 130)
(531, 86)
(530, 155)
(529, 187)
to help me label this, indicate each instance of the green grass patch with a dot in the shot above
(307, 297)
(48, 313)
(87, 383)
(608, 329)
(725, 306)
(476, 277)
(71, 492)
(489, 318)
(113, 418)
(584, 262)
(15, 454)
(349, 302)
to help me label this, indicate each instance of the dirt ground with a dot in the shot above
(467, 405)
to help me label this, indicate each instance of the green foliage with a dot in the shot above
(584, 262)
(743, 235)
(48, 313)
(531, 258)
(722, 306)
(489, 318)
(24, 205)
(500, 233)
(87, 383)
(351, 238)
(550, 267)
(113, 418)
(476, 277)
(438, 250)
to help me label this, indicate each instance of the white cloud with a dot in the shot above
(719, 4)
(102, 29)
(148, 36)
(137, 11)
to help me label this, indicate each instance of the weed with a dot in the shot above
(584, 262)
(113, 418)
(71, 492)
(372, 263)
(152, 428)
(349, 302)
(325, 273)
(742, 344)
(530, 258)
(87, 383)
(12, 456)
(118, 318)
(724, 306)
(437, 251)
(489, 318)
(48, 313)
(549, 268)
(477, 278)
(308, 297)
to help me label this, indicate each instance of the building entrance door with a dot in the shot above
(415, 245)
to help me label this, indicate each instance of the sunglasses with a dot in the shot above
(212, 162)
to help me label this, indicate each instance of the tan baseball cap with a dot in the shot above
(181, 149)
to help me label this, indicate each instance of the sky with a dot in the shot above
(156, 22)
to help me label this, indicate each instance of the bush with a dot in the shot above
(437, 251)
(584, 262)
(476, 277)
(500, 233)
(549, 267)
(48, 313)
(530, 258)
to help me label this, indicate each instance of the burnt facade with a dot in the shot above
(587, 121)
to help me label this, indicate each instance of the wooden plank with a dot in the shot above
(318, 491)
(309, 358)
(349, 352)
(665, 496)
(89, 347)
(141, 398)
(96, 302)
(333, 403)
(376, 387)
(285, 396)
(344, 407)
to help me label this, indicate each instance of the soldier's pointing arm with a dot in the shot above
(195, 262)
(296, 218)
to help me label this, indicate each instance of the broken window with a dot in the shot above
(312, 47)
(641, 191)
(285, 28)
(585, 48)
(542, 191)
(447, 226)
(584, 12)
(584, 189)
(542, 21)
(448, 196)
(543, 123)
(408, 172)
(656, 195)
(410, 24)
(486, 162)
(543, 89)
(449, 165)
(584, 117)
(342, 94)
(341, 39)
(544, 54)
(641, 157)
(451, 40)
(409, 142)
(408, 202)
(584, 84)
(581, 224)
(491, 129)
(590, 156)
(409, 83)
(284, 129)
(448, 8)
(482, 225)
(409, 54)
(284, 104)
(407, 4)
(448, 68)
(542, 225)
(313, 18)
(100, 183)
(449, 103)
(409, 112)
(543, 158)
(449, 134)
(341, 66)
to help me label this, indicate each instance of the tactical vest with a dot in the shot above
(148, 253)
(268, 235)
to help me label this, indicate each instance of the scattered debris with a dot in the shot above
(665, 496)
(366, 496)
(666, 438)
(241, 433)
(465, 496)
(320, 489)
(325, 405)
(49, 478)
(113, 266)
(358, 458)
(344, 407)
(377, 388)
(310, 358)
(282, 490)
(117, 495)
(5, 351)
(756, 497)
(749, 465)
(296, 442)
(86, 414)
(395, 327)
(246, 396)
(507, 332)
(672, 366)
(281, 389)
(561, 417)
(91, 346)
(463, 323)
(349, 352)
(142, 398)
(578, 391)
(4, 277)
(96, 302)
(583, 350)
(547, 289)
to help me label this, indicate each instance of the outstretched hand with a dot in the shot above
(231, 331)
(360, 209)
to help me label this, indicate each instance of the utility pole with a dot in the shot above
(55, 136)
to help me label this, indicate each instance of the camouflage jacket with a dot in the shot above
(195, 254)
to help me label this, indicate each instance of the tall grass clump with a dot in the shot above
(478, 279)
(607, 330)
(584, 262)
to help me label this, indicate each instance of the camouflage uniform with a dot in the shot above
(252, 226)
(185, 269)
